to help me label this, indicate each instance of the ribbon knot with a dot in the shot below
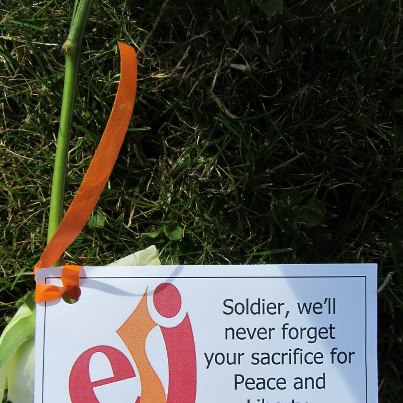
(71, 286)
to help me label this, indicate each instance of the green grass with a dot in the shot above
(255, 139)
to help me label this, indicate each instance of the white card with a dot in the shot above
(211, 334)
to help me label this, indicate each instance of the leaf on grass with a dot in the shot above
(96, 220)
(151, 234)
(174, 234)
(397, 189)
(291, 196)
(238, 9)
(397, 104)
(312, 214)
(398, 135)
(270, 6)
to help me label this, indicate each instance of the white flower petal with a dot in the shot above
(3, 376)
(146, 257)
(20, 374)
(18, 331)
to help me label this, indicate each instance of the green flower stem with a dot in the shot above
(72, 50)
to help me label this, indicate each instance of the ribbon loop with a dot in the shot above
(70, 280)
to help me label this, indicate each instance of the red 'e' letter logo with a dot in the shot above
(81, 387)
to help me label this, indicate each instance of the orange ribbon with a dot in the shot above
(94, 180)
